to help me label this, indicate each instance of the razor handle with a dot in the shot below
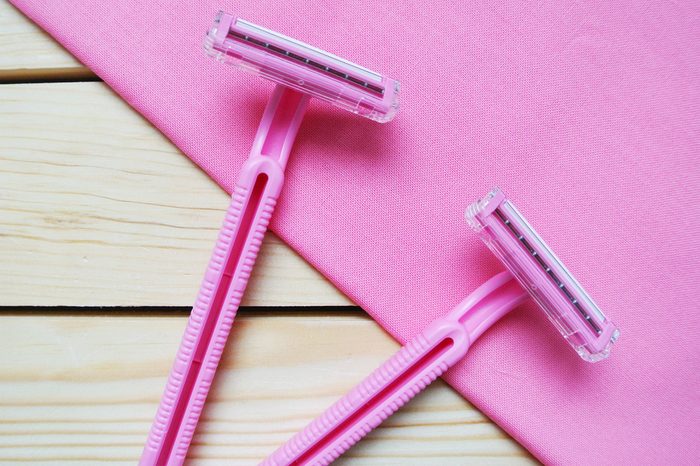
(253, 200)
(442, 344)
(252, 204)
(378, 396)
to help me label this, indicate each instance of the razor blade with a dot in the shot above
(302, 67)
(567, 305)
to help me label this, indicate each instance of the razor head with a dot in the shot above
(302, 67)
(567, 305)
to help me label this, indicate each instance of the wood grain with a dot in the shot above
(27, 52)
(82, 389)
(99, 209)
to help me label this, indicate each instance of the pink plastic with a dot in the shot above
(398, 380)
(252, 204)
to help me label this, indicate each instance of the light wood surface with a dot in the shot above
(83, 389)
(98, 209)
(28, 53)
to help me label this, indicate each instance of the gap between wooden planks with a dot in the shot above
(28, 53)
(100, 209)
(83, 389)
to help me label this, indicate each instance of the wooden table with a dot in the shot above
(106, 228)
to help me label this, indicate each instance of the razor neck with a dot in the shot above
(487, 304)
(280, 124)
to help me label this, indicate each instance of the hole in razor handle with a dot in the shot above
(207, 330)
(548, 270)
(377, 399)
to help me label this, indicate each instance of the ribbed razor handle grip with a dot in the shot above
(212, 316)
(382, 393)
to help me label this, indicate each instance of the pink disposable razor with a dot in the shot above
(532, 269)
(300, 71)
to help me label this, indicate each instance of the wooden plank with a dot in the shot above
(83, 390)
(28, 53)
(100, 209)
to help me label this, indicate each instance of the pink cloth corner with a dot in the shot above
(585, 113)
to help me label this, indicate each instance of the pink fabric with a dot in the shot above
(585, 113)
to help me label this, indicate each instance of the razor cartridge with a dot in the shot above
(302, 67)
(567, 305)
